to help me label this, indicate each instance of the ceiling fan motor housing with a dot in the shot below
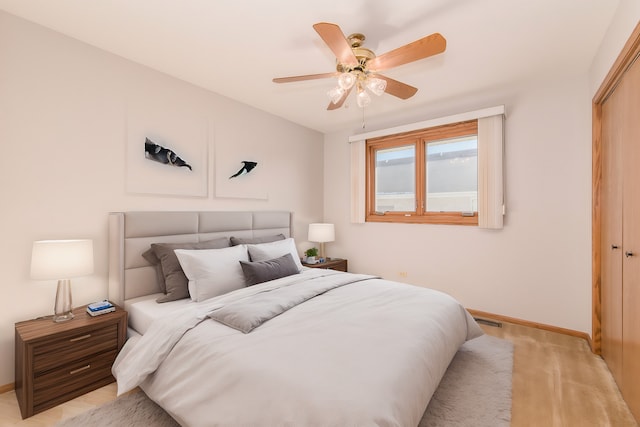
(361, 53)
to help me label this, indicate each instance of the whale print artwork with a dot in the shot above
(158, 153)
(246, 168)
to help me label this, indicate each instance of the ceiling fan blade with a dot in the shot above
(396, 88)
(338, 104)
(419, 49)
(334, 38)
(301, 78)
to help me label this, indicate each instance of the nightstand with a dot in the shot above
(330, 264)
(56, 362)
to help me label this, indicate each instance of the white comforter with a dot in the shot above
(364, 354)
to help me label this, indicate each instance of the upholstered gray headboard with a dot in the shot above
(131, 234)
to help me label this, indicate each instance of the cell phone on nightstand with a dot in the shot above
(100, 307)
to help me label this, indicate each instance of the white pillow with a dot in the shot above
(213, 272)
(267, 251)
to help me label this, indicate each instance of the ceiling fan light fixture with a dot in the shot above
(335, 94)
(376, 86)
(363, 99)
(346, 81)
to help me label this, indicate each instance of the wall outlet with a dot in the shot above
(403, 274)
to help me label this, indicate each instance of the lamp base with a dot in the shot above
(63, 310)
(63, 317)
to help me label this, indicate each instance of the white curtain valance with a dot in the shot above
(491, 207)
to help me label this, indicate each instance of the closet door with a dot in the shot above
(611, 235)
(631, 240)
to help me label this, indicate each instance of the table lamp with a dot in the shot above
(62, 260)
(321, 233)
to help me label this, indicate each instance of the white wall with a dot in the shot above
(63, 137)
(538, 267)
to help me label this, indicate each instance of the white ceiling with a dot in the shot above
(235, 47)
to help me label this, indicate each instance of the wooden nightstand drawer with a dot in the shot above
(62, 350)
(62, 383)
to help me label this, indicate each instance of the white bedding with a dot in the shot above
(142, 311)
(368, 353)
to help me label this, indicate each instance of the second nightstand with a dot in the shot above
(330, 264)
(56, 362)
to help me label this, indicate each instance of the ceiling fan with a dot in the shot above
(358, 66)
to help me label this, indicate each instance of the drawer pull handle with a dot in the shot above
(84, 337)
(84, 368)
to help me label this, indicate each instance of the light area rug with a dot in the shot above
(475, 391)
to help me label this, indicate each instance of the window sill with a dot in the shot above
(444, 218)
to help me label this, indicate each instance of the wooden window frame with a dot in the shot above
(419, 139)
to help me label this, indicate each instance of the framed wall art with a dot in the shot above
(166, 152)
(241, 170)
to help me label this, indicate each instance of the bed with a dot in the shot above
(312, 347)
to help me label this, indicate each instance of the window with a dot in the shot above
(490, 170)
(395, 179)
(428, 176)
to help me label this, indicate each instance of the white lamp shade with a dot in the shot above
(377, 86)
(61, 259)
(335, 94)
(321, 233)
(346, 81)
(363, 99)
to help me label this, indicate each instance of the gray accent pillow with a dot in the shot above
(256, 240)
(171, 278)
(263, 271)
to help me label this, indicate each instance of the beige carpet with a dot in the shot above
(475, 391)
